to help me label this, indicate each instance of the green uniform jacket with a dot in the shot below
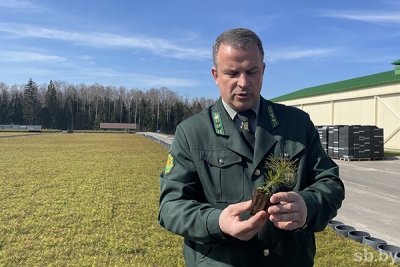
(211, 167)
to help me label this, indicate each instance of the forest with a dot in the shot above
(64, 106)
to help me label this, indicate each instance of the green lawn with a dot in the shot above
(389, 153)
(83, 200)
(92, 200)
(9, 133)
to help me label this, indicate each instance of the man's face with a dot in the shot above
(239, 76)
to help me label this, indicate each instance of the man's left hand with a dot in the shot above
(289, 210)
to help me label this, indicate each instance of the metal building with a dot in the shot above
(368, 100)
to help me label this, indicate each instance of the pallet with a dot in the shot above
(361, 159)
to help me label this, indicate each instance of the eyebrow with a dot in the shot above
(233, 70)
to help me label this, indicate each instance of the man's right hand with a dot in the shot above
(230, 223)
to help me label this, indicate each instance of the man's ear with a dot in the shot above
(264, 65)
(214, 73)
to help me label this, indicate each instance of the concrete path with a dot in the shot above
(162, 137)
(372, 201)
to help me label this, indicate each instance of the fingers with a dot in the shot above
(240, 207)
(288, 221)
(289, 212)
(284, 207)
(230, 223)
(286, 202)
(234, 210)
(284, 197)
(258, 220)
(284, 217)
(245, 230)
(292, 225)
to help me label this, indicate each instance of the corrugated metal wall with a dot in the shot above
(379, 106)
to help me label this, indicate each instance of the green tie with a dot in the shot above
(245, 128)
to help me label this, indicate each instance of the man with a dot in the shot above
(212, 170)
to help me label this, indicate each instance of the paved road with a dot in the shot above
(372, 195)
(165, 138)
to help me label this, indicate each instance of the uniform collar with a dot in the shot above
(224, 126)
(232, 113)
(222, 115)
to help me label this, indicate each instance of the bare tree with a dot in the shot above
(42, 89)
(137, 96)
(122, 98)
(62, 87)
(128, 102)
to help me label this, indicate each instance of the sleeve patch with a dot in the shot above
(170, 164)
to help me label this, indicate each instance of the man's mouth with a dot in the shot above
(242, 94)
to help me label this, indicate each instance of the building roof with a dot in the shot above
(382, 78)
(397, 62)
(111, 125)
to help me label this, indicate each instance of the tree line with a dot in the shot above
(60, 105)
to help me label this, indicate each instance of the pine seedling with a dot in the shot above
(280, 172)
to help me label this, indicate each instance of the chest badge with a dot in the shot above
(246, 126)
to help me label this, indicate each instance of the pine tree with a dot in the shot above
(15, 109)
(4, 99)
(31, 104)
(52, 105)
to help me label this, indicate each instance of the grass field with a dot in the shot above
(83, 200)
(92, 200)
(9, 133)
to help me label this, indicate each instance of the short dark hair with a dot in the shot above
(237, 38)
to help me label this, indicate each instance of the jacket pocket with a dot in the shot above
(289, 150)
(224, 177)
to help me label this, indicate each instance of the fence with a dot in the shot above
(29, 128)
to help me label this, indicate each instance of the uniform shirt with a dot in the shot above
(232, 114)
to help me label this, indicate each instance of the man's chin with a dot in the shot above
(243, 104)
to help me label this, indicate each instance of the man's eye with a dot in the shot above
(252, 72)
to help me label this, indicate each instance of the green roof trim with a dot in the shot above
(355, 83)
(397, 62)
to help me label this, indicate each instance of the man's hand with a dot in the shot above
(289, 211)
(230, 223)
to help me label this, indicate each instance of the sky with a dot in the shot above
(153, 44)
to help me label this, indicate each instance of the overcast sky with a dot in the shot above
(153, 44)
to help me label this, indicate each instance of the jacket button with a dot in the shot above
(266, 252)
(221, 161)
(257, 172)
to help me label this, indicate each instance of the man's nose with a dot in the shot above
(243, 80)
